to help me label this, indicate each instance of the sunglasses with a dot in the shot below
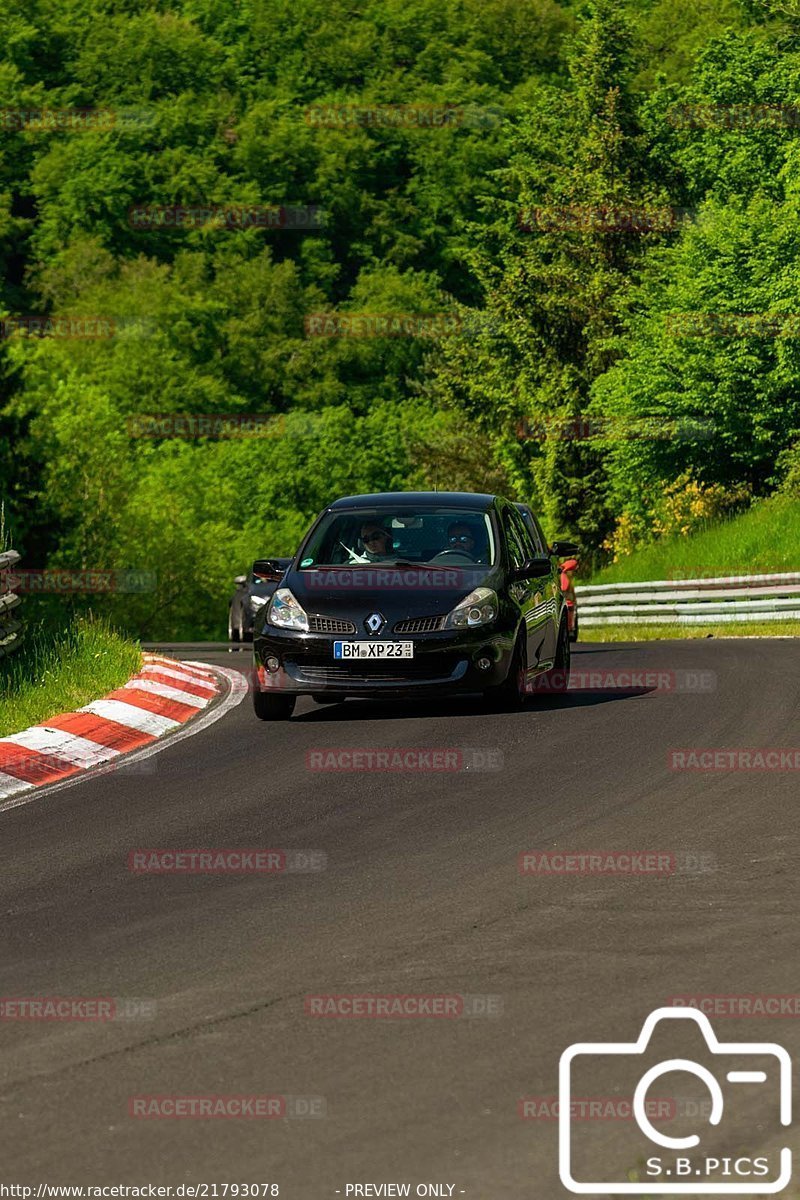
(461, 537)
(377, 536)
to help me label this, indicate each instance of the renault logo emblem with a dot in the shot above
(375, 622)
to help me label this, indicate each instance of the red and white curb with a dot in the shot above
(161, 698)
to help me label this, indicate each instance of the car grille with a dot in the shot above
(347, 673)
(330, 625)
(419, 625)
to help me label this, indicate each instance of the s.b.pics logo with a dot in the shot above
(745, 1088)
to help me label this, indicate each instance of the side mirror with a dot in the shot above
(240, 580)
(533, 568)
(564, 549)
(271, 569)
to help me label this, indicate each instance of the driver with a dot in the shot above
(377, 541)
(461, 537)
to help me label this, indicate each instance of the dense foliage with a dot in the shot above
(523, 113)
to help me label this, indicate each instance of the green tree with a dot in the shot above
(555, 266)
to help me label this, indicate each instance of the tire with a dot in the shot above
(556, 680)
(273, 707)
(234, 634)
(573, 637)
(510, 696)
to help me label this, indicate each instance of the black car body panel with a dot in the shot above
(413, 601)
(567, 586)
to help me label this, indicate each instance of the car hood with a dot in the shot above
(395, 592)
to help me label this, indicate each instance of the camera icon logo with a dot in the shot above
(674, 1171)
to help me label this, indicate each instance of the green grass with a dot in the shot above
(653, 633)
(52, 674)
(765, 539)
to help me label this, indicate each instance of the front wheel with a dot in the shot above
(233, 630)
(273, 707)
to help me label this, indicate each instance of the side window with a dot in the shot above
(516, 538)
(528, 540)
(539, 540)
(534, 531)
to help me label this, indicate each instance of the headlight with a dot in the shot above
(257, 602)
(285, 612)
(478, 608)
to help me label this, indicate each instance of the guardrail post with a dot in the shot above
(11, 627)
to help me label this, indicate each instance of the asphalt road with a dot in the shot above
(421, 894)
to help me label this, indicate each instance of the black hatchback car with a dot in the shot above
(413, 593)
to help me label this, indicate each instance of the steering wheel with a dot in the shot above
(462, 554)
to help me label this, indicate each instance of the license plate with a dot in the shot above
(373, 649)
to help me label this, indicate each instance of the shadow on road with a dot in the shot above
(468, 706)
(604, 648)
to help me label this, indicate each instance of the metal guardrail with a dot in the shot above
(692, 601)
(10, 626)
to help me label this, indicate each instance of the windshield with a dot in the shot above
(433, 535)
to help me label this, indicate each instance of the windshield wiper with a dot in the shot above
(397, 562)
(421, 566)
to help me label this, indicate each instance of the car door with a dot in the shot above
(554, 596)
(537, 596)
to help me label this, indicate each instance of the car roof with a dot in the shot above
(472, 500)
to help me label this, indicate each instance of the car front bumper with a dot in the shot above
(444, 663)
